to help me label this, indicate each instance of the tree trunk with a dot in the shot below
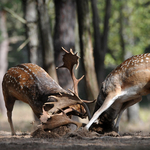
(97, 41)
(4, 48)
(86, 49)
(100, 39)
(30, 13)
(46, 38)
(64, 36)
(104, 40)
(121, 34)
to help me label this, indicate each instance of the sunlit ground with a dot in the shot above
(23, 120)
(142, 125)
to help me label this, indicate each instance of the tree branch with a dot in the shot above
(15, 15)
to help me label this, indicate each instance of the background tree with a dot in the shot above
(64, 36)
(31, 18)
(86, 49)
(46, 38)
(4, 48)
(97, 41)
(11, 32)
(100, 39)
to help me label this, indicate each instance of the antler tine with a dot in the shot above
(64, 50)
(77, 65)
(45, 116)
(76, 81)
(71, 51)
(83, 104)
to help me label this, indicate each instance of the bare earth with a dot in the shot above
(23, 142)
(132, 136)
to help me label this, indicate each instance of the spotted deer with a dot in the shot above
(31, 84)
(122, 88)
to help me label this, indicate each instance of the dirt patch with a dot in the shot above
(55, 133)
(76, 140)
(63, 132)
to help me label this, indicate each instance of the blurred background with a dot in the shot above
(103, 32)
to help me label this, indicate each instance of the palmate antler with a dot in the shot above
(69, 103)
(70, 59)
(54, 121)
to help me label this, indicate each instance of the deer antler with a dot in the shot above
(70, 59)
(62, 101)
(54, 121)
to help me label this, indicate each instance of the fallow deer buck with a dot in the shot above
(122, 88)
(51, 103)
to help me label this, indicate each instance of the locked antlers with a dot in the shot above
(61, 105)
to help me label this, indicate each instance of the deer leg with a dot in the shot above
(107, 103)
(125, 106)
(9, 103)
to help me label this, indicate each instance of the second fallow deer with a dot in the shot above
(122, 88)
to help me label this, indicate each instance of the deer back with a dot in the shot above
(30, 84)
(132, 74)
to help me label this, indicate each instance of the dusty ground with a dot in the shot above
(132, 136)
(25, 141)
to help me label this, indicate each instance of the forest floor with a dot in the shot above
(132, 136)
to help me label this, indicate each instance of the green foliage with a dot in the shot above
(136, 28)
(15, 29)
(16, 57)
(135, 18)
(14, 26)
